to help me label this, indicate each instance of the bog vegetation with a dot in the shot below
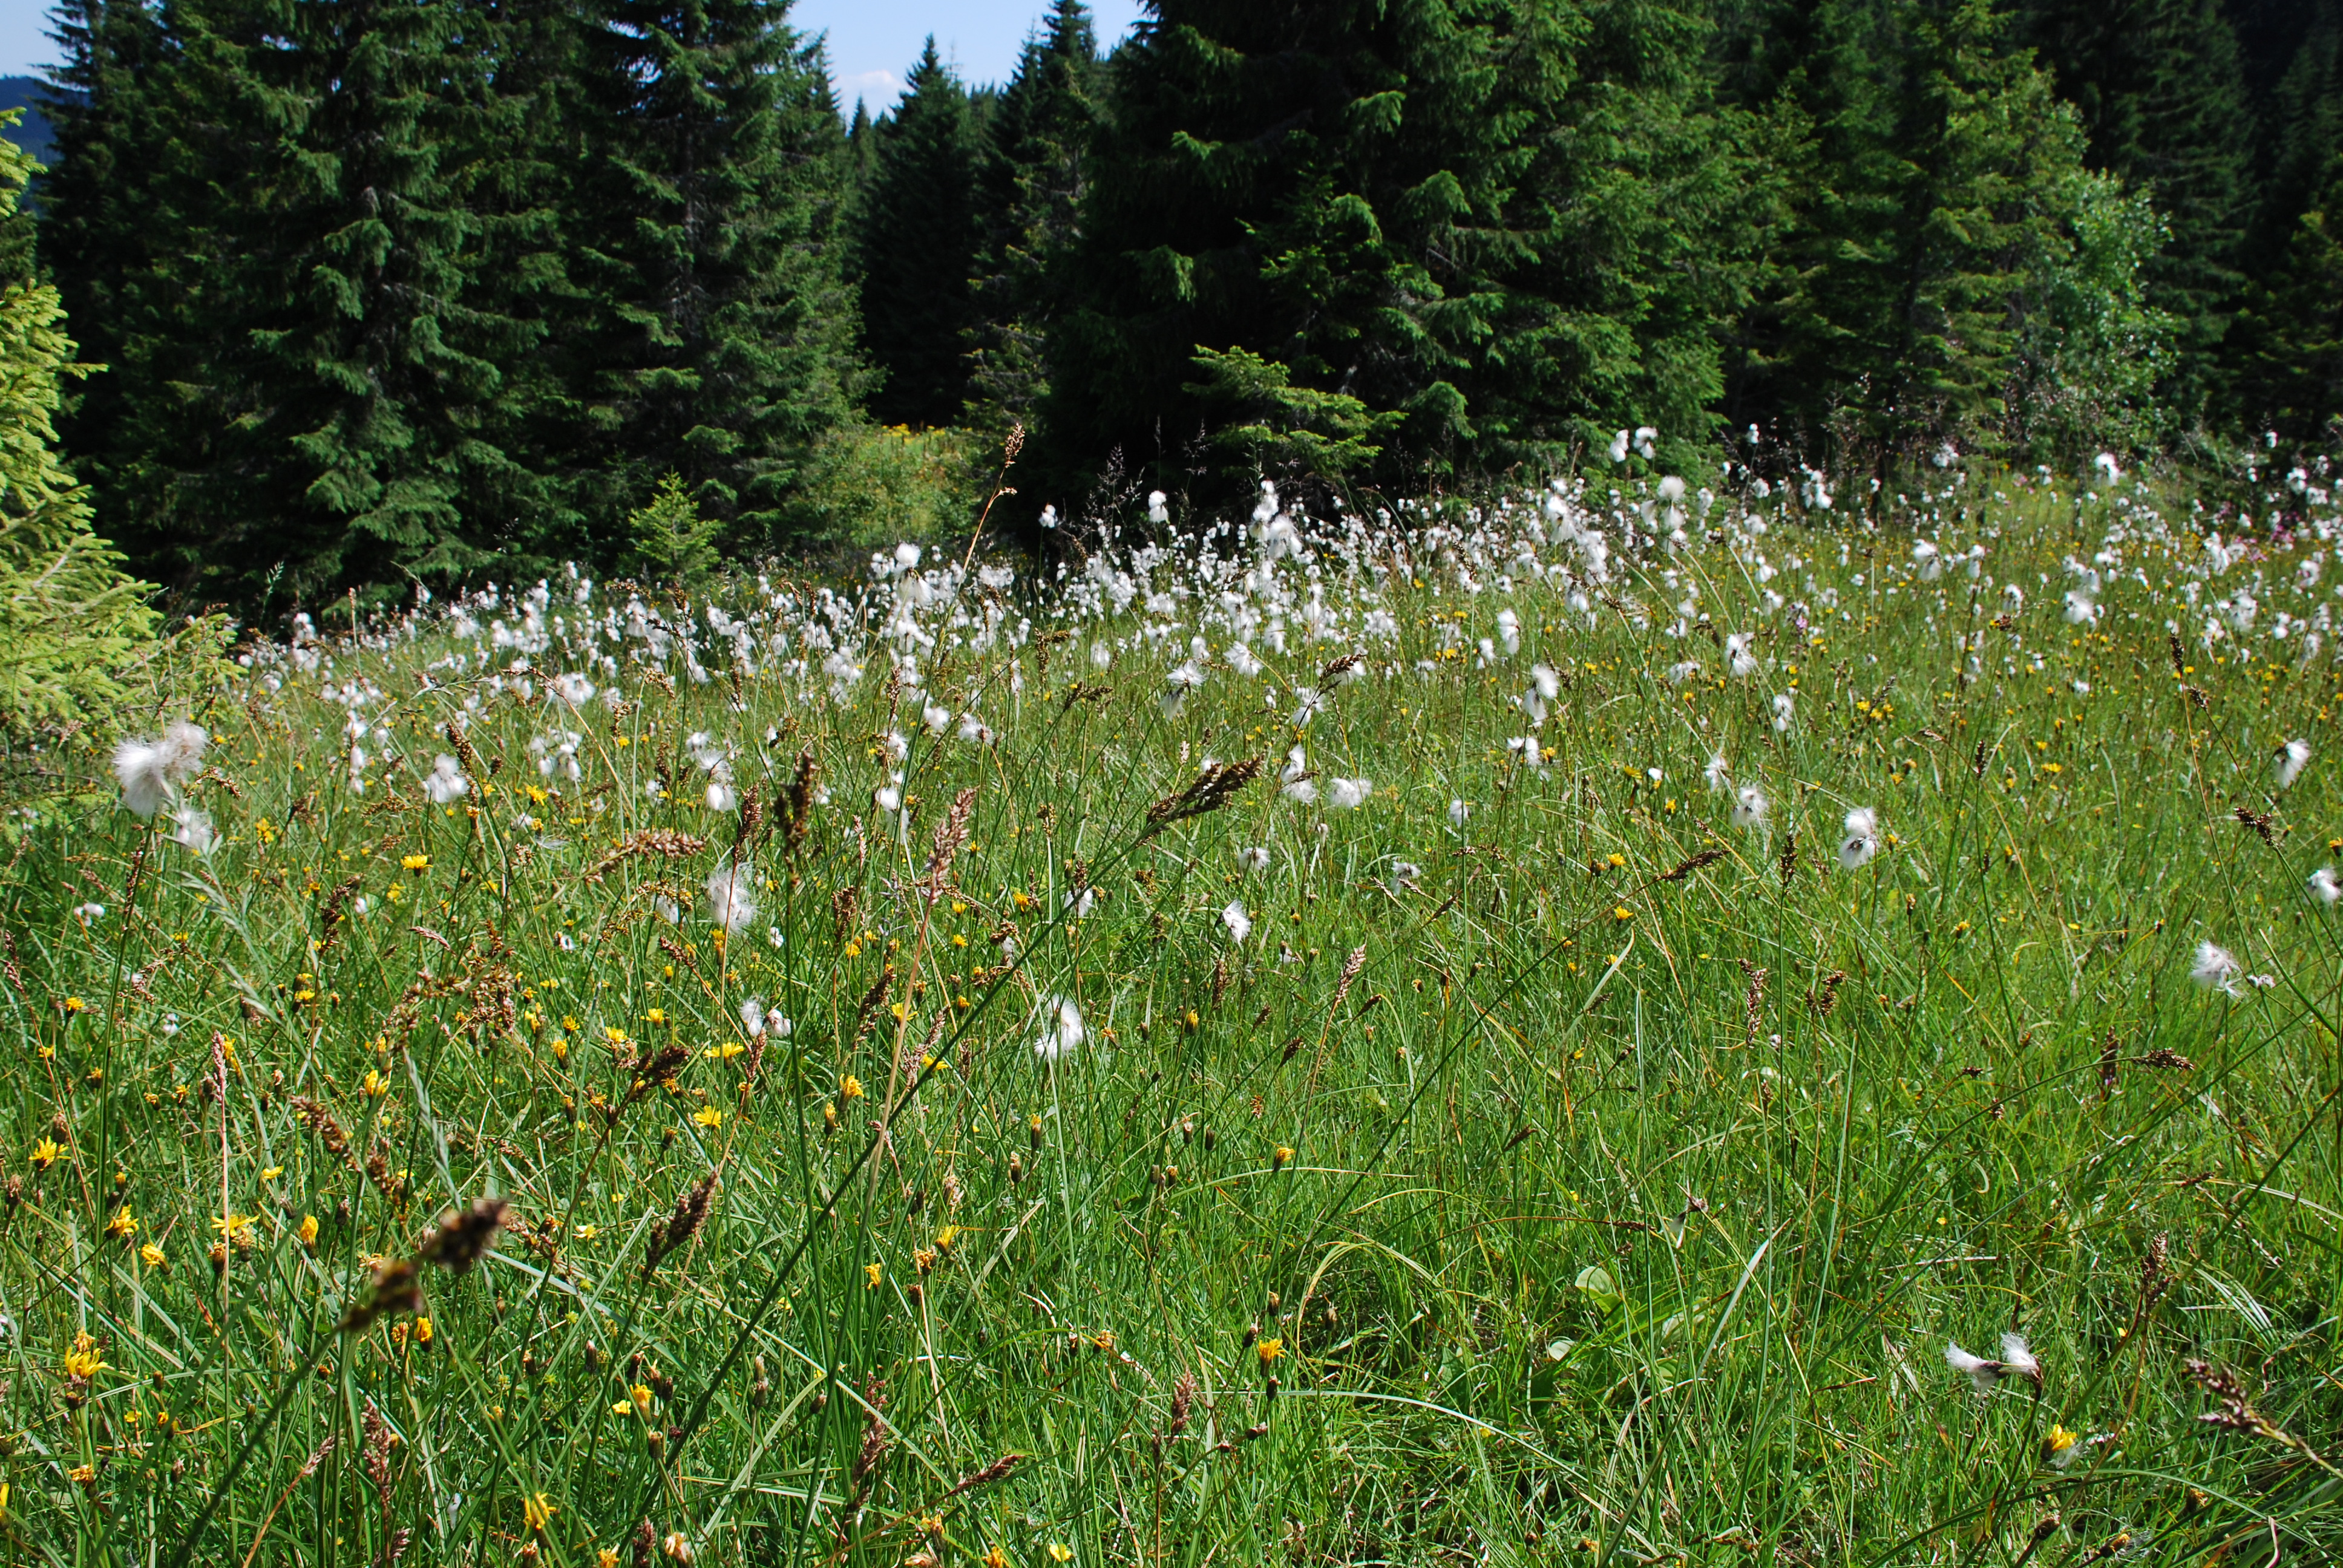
(1628, 1025)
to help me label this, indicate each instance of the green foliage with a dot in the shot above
(1264, 423)
(2095, 353)
(671, 540)
(915, 240)
(868, 487)
(1493, 226)
(1030, 187)
(712, 326)
(1935, 176)
(71, 620)
(2287, 340)
(2159, 89)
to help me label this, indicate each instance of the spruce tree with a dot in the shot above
(1934, 174)
(1029, 192)
(515, 175)
(1403, 239)
(714, 328)
(298, 376)
(2161, 92)
(2287, 344)
(915, 239)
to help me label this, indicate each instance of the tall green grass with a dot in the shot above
(1492, 1211)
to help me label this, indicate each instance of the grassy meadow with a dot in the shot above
(1512, 1039)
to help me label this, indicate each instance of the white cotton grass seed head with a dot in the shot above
(151, 771)
(752, 1016)
(1061, 1030)
(2017, 1361)
(1239, 923)
(182, 749)
(1458, 813)
(2287, 762)
(446, 783)
(1860, 841)
(1785, 709)
(2215, 967)
(1749, 807)
(192, 831)
(1348, 794)
(138, 768)
(1982, 1374)
(1254, 857)
(1718, 776)
(730, 904)
(2326, 888)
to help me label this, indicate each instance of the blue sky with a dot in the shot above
(872, 43)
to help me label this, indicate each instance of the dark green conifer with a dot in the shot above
(1407, 240)
(714, 328)
(915, 239)
(1030, 191)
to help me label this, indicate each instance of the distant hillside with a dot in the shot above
(32, 133)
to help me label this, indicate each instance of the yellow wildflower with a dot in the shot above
(850, 1088)
(708, 1116)
(536, 1512)
(874, 1273)
(1270, 1351)
(151, 1255)
(46, 1153)
(124, 1223)
(83, 1360)
(415, 863)
(308, 1230)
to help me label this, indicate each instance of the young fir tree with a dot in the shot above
(2160, 91)
(1028, 195)
(915, 237)
(1395, 240)
(713, 330)
(70, 619)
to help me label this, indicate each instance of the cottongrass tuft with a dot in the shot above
(731, 903)
(1861, 840)
(2289, 761)
(151, 772)
(1749, 807)
(1239, 923)
(1061, 1030)
(2216, 968)
(446, 783)
(2326, 888)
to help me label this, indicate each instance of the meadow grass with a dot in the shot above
(1088, 1150)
